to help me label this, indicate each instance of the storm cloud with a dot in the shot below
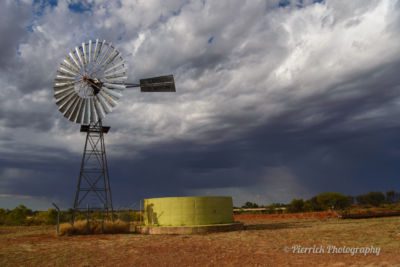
(275, 99)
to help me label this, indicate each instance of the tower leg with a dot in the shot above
(93, 192)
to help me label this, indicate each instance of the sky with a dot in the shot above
(275, 99)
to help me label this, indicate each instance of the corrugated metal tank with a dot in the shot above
(181, 211)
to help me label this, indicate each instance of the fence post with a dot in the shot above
(58, 219)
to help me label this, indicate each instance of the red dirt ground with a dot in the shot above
(266, 242)
(306, 215)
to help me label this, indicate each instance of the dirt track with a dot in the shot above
(266, 242)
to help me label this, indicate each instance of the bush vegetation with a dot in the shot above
(21, 215)
(85, 227)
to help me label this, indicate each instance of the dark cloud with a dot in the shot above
(281, 103)
(14, 20)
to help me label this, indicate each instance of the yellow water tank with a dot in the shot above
(185, 211)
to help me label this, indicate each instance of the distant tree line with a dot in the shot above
(21, 215)
(321, 202)
(332, 201)
(250, 205)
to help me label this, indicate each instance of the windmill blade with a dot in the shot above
(64, 78)
(109, 99)
(69, 65)
(71, 55)
(78, 53)
(114, 93)
(90, 51)
(99, 108)
(111, 56)
(64, 99)
(115, 66)
(80, 118)
(76, 109)
(93, 116)
(116, 80)
(61, 88)
(114, 86)
(87, 111)
(85, 60)
(158, 84)
(63, 92)
(67, 72)
(96, 49)
(71, 105)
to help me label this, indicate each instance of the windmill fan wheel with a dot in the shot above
(89, 82)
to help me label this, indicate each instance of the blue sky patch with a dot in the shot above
(38, 8)
(80, 7)
(299, 3)
(40, 5)
(284, 3)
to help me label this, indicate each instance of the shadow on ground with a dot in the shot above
(276, 226)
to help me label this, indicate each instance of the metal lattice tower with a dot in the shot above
(93, 191)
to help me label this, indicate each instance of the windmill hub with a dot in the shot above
(89, 87)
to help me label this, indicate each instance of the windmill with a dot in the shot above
(89, 82)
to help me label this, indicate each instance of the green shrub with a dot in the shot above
(18, 216)
(333, 200)
(372, 198)
(296, 205)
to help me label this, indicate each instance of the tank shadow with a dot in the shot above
(152, 218)
(276, 226)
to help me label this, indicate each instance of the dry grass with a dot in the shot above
(84, 227)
